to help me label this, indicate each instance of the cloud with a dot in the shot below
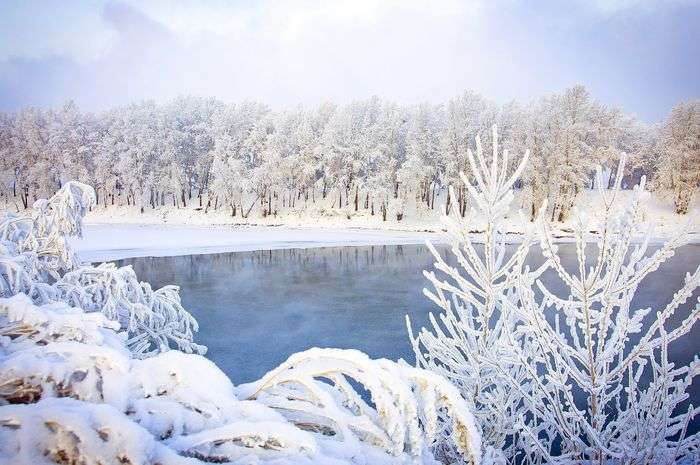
(307, 51)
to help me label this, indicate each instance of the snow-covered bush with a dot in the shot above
(152, 318)
(592, 383)
(37, 260)
(86, 377)
(406, 401)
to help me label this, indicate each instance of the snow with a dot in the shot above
(103, 242)
(114, 233)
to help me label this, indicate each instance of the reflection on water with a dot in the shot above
(257, 308)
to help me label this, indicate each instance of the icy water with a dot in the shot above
(256, 308)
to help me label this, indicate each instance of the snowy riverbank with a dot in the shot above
(116, 232)
(104, 242)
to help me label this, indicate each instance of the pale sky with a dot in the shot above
(643, 55)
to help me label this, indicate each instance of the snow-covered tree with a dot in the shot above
(466, 338)
(579, 376)
(364, 154)
(679, 161)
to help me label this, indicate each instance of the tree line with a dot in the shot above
(369, 155)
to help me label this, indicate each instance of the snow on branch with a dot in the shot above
(314, 389)
(153, 319)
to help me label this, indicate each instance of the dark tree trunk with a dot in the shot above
(269, 203)
(447, 203)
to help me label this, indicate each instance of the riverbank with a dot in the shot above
(106, 242)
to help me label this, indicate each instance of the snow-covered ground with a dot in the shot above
(116, 232)
(123, 232)
(104, 242)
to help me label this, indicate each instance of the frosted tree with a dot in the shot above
(569, 134)
(423, 152)
(465, 340)
(229, 182)
(465, 115)
(578, 376)
(679, 161)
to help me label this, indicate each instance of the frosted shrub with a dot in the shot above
(153, 319)
(407, 401)
(38, 261)
(592, 384)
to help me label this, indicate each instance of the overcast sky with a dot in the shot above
(643, 55)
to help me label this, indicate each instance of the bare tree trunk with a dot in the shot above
(683, 195)
(269, 202)
(25, 197)
(252, 204)
(447, 204)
